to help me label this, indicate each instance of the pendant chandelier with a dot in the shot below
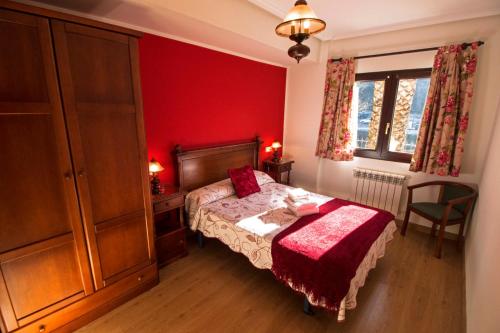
(298, 25)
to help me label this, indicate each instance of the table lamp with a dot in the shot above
(274, 147)
(155, 168)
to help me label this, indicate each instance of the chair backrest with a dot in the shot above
(456, 190)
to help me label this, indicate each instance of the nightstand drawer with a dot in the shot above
(285, 167)
(275, 169)
(165, 205)
(171, 246)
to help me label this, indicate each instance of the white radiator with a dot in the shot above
(378, 189)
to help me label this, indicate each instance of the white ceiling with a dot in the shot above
(246, 27)
(225, 25)
(345, 19)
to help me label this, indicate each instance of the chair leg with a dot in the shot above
(460, 238)
(433, 230)
(405, 222)
(439, 243)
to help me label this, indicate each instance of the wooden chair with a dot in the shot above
(454, 203)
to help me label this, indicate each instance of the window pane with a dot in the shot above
(410, 103)
(366, 111)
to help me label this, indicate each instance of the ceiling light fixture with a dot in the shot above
(298, 25)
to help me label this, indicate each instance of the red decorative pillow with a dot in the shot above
(244, 181)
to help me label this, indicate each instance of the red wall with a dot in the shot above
(195, 97)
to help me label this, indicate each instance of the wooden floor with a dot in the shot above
(216, 290)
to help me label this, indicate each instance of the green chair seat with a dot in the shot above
(436, 210)
(462, 194)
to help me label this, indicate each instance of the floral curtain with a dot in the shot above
(334, 141)
(440, 143)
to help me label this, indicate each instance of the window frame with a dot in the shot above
(391, 78)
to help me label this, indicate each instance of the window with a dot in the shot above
(386, 112)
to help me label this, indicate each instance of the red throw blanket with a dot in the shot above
(320, 253)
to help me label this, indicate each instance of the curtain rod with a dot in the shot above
(464, 45)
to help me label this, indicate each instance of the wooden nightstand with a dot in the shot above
(170, 232)
(275, 170)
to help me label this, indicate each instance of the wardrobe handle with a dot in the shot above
(81, 173)
(41, 328)
(67, 175)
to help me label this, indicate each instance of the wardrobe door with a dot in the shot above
(99, 74)
(43, 258)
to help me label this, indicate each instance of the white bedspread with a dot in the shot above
(248, 225)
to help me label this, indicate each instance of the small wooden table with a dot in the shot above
(275, 170)
(170, 231)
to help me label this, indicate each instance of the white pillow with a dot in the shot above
(217, 191)
(263, 178)
(207, 194)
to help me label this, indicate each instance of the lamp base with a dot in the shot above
(276, 156)
(155, 185)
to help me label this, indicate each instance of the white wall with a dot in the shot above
(482, 267)
(305, 102)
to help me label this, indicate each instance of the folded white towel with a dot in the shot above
(304, 211)
(300, 204)
(297, 194)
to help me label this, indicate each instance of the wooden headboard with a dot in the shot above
(201, 167)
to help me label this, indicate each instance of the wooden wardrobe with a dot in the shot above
(76, 234)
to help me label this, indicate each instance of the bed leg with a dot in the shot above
(199, 238)
(307, 307)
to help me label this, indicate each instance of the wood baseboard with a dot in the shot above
(425, 229)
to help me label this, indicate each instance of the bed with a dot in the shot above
(248, 225)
